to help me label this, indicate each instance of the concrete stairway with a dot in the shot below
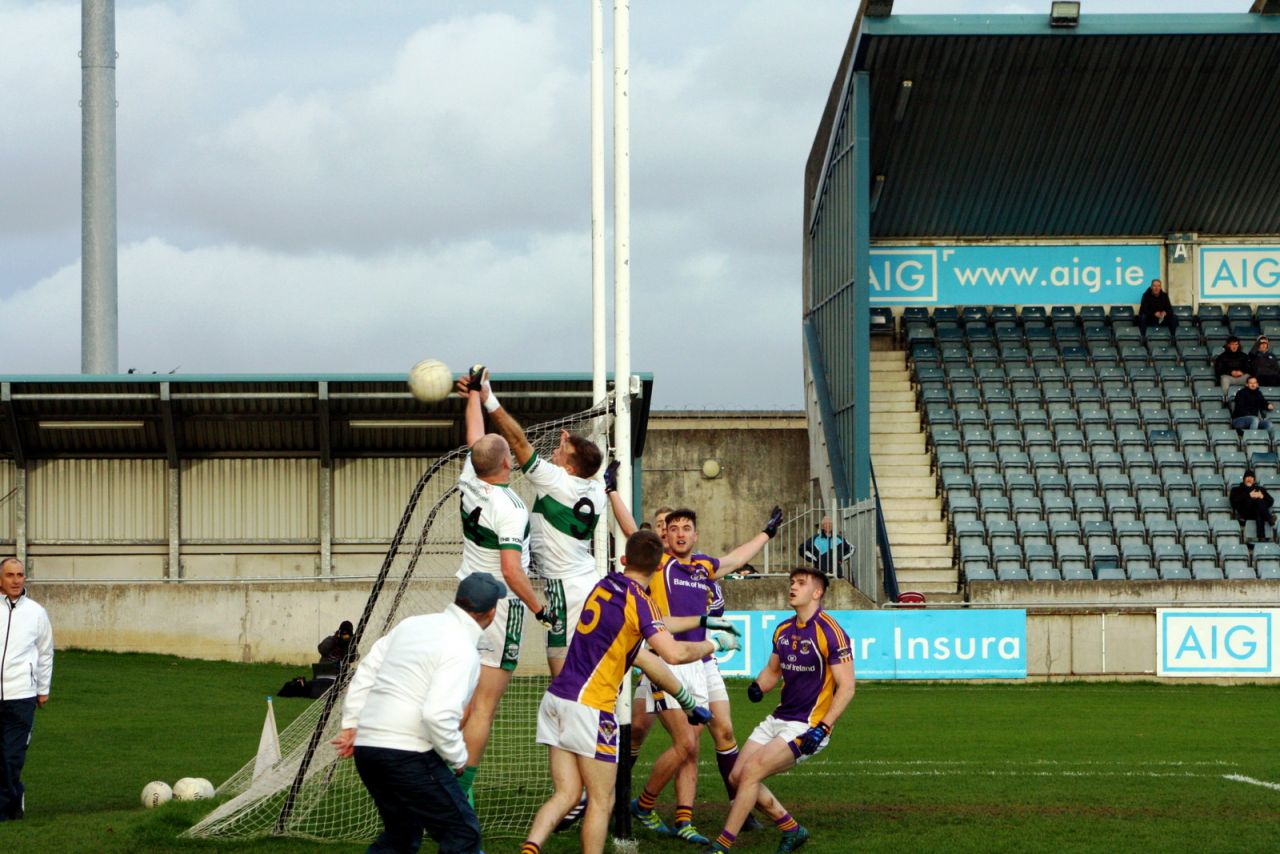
(923, 557)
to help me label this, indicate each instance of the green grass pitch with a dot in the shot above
(1073, 767)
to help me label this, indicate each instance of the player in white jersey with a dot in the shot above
(495, 539)
(568, 506)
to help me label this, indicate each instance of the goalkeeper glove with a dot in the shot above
(720, 623)
(775, 519)
(611, 477)
(477, 377)
(813, 737)
(724, 641)
(544, 616)
(754, 692)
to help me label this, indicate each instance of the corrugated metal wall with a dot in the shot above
(369, 495)
(255, 500)
(114, 499)
(8, 502)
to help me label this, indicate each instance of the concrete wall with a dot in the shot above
(763, 460)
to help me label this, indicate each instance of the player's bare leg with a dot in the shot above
(566, 781)
(601, 780)
(726, 743)
(674, 762)
(755, 763)
(479, 721)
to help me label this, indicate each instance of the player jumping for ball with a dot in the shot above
(568, 506)
(495, 529)
(813, 657)
(576, 720)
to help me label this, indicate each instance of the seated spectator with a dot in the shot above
(1249, 409)
(825, 551)
(1232, 366)
(1251, 502)
(1263, 363)
(1156, 310)
(335, 647)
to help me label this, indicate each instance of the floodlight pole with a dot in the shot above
(99, 323)
(599, 344)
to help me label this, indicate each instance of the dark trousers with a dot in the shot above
(16, 719)
(1170, 322)
(416, 791)
(1259, 513)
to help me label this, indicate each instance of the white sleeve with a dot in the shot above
(452, 682)
(511, 525)
(544, 475)
(361, 682)
(44, 659)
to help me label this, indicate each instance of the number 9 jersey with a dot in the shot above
(616, 617)
(564, 519)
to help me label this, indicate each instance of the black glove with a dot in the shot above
(544, 617)
(698, 715)
(754, 693)
(611, 477)
(775, 519)
(813, 738)
(476, 377)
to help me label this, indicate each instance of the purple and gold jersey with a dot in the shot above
(618, 614)
(683, 589)
(806, 652)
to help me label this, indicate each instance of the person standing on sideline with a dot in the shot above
(402, 720)
(1231, 366)
(27, 671)
(814, 659)
(1156, 310)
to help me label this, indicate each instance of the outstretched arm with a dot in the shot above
(745, 552)
(513, 433)
(621, 514)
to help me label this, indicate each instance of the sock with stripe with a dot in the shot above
(724, 762)
(684, 815)
(531, 848)
(786, 823)
(647, 800)
(726, 839)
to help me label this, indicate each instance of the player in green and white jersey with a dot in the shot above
(568, 506)
(495, 528)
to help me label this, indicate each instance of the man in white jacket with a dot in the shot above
(25, 674)
(402, 720)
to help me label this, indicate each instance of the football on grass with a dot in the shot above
(430, 381)
(189, 789)
(156, 793)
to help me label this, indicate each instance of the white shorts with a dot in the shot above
(565, 598)
(789, 731)
(693, 676)
(716, 691)
(500, 643)
(643, 690)
(578, 729)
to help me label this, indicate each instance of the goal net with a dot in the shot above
(311, 792)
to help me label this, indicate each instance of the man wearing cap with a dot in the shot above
(1263, 363)
(402, 720)
(1251, 502)
(334, 648)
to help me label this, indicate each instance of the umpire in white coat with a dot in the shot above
(402, 719)
(26, 671)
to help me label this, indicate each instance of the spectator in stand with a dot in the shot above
(1264, 363)
(1251, 502)
(1156, 310)
(1232, 366)
(825, 551)
(1250, 408)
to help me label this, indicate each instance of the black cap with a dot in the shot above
(1248, 473)
(481, 591)
(345, 627)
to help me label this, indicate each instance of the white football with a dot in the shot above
(188, 789)
(156, 793)
(205, 786)
(430, 381)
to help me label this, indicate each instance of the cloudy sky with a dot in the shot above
(349, 187)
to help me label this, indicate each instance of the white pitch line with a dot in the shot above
(855, 763)
(980, 773)
(1240, 778)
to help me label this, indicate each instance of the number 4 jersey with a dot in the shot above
(493, 519)
(564, 519)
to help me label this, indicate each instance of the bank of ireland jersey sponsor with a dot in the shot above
(494, 519)
(564, 519)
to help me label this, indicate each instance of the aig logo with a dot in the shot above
(904, 275)
(1205, 643)
(1239, 272)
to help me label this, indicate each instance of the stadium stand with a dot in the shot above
(1068, 448)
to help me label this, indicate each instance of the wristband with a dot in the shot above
(491, 402)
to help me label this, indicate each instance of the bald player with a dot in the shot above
(814, 659)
